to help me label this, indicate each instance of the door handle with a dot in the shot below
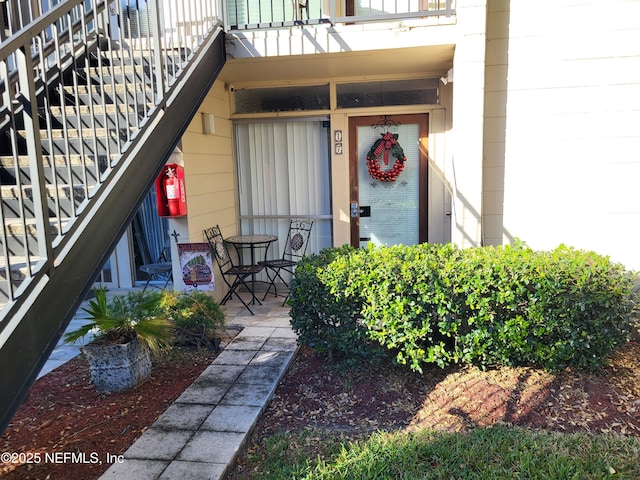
(355, 210)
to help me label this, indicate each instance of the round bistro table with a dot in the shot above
(251, 242)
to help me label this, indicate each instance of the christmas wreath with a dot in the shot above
(386, 145)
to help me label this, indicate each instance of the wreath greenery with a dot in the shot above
(387, 144)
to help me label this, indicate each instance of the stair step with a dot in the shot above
(108, 89)
(121, 97)
(18, 261)
(8, 161)
(16, 233)
(85, 133)
(12, 196)
(17, 227)
(10, 192)
(66, 171)
(19, 270)
(117, 69)
(98, 109)
(108, 76)
(96, 121)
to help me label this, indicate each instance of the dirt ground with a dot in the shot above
(315, 397)
(63, 412)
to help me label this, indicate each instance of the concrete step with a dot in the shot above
(18, 201)
(68, 169)
(107, 88)
(132, 96)
(109, 110)
(73, 141)
(23, 238)
(96, 120)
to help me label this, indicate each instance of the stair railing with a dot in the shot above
(76, 58)
(94, 96)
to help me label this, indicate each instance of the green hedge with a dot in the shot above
(323, 321)
(486, 306)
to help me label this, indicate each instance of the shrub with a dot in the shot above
(323, 321)
(634, 334)
(400, 292)
(197, 317)
(552, 309)
(119, 319)
(486, 306)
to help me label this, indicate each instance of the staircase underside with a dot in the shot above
(35, 322)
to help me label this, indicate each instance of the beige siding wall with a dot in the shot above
(210, 174)
(561, 130)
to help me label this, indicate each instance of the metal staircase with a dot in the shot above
(92, 104)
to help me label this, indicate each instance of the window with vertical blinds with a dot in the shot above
(283, 173)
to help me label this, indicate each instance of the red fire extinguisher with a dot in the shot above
(171, 186)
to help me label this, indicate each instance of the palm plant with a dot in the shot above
(120, 320)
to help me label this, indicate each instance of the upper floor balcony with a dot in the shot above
(261, 14)
(341, 33)
(252, 25)
(244, 14)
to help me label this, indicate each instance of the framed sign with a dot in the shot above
(196, 265)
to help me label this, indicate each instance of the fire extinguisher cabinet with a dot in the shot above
(170, 193)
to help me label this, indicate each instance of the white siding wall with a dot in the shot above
(562, 127)
(465, 174)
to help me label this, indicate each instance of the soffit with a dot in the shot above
(428, 61)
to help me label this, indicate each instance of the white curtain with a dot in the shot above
(283, 173)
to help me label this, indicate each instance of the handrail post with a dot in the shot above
(34, 150)
(157, 50)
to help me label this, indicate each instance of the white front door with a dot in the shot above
(389, 195)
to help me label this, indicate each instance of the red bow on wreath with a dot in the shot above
(387, 144)
(388, 140)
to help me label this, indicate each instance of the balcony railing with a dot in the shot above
(257, 14)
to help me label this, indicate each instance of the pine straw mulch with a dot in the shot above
(64, 413)
(315, 397)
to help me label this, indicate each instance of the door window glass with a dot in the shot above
(392, 209)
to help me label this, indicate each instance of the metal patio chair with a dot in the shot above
(233, 275)
(161, 269)
(294, 249)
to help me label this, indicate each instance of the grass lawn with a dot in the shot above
(458, 423)
(498, 452)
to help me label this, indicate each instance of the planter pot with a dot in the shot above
(116, 367)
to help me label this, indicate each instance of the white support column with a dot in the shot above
(468, 119)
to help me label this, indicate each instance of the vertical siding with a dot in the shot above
(561, 129)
